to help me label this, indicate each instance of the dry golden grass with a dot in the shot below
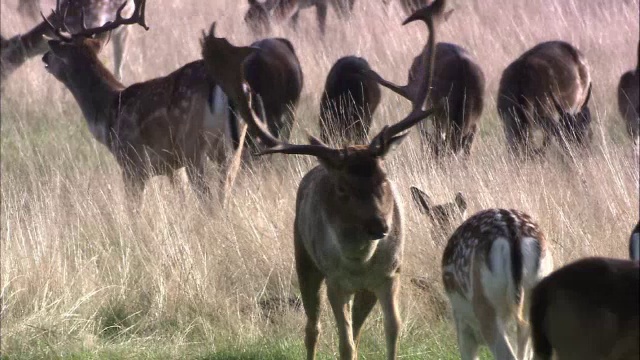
(77, 267)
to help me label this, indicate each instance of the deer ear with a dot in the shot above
(421, 199)
(461, 202)
(448, 14)
(94, 44)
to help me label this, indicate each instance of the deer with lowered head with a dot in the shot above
(489, 267)
(629, 100)
(588, 310)
(444, 217)
(457, 81)
(547, 88)
(78, 14)
(152, 128)
(348, 102)
(261, 14)
(348, 224)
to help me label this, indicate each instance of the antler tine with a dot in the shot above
(55, 29)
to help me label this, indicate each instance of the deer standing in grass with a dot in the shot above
(629, 100)
(261, 15)
(547, 88)
(20, 48)
(348, 225)
(458, 82)
(348, 102)
(588, 310)
(152, 128)
(489, 267)
(444, 217)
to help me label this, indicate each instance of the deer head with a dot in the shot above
(575, 127)
(444, 217)
(70, 53)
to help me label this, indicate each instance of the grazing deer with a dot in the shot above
(548, 87)
(444, 217)
(489, 266)
(634, 243)
(348, 102)
(20, 48)
(629, 100)
(275, 78)
(152, 128)
(588, 309)
(261, 14)
(458, 82)
(348, 224)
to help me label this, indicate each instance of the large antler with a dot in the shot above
(432, 15)
(136, 18)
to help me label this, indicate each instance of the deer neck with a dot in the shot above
(96, 91)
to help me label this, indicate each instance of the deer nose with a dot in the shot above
(377, 228)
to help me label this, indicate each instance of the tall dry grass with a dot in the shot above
(78, 268)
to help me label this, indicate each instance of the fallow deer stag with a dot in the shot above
(458, 82)
(275, 78)
(152, 128)
(348, 102)
(78, 14)
(629, 100)
(261, 15)
(489, 267)
(588, 310)
(348, 225)
(547, 88)
(634, 243)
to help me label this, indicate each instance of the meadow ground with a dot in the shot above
(83, 279)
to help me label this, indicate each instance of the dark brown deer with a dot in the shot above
(547, 88)
(275, 78)
(629, 100)
(348, 225)
(587, 310)
(152, 128)
(20, 48)
(348, 102)
(489, 268)
(458, 82)
(261, 15)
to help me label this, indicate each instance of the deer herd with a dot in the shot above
(497, 267)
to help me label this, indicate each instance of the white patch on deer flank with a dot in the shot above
(217, 116)
(497, 283)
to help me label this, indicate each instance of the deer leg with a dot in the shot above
(195, 173)
(388, 297)
(119, 50)
(310, 280)
(467, 342)
(340, 301)
(523, 339)
(363, 303)
(494, 332)
(321, 14)
(467, 142)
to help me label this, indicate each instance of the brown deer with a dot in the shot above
(348, 102)
(20, 48)
(261, 15)
(629, 100)
(458, 82)
(634, 243)
(587, 310)
(547, 88)
(444, 217)
(275, 78)
(152, 128)
(348, 224)
(489, 267)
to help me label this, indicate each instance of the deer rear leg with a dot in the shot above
(494, 331)
(363, 303)
(388, 297)
(467, 341)
(119, 50)
(340, 301)
(310, 280)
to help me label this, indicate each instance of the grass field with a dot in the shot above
(82, 279)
